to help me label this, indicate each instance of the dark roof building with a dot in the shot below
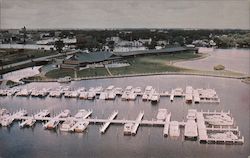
(83, 58)
(92, 57)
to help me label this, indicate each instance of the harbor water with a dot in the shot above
(148, 142)
(233, 60)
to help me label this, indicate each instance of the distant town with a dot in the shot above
(109, 52)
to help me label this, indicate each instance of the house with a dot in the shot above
(83, 58)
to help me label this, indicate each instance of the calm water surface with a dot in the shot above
(149, 141)
(233, 59)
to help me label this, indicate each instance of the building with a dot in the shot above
(82, 59)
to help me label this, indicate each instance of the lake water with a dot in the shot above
(233, 59)
(149, 141)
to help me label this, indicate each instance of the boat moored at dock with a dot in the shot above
(190, 131)
(67, 124)
(162, 114)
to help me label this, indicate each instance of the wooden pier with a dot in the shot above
(206, 134)
(107, 123)
(137, 123)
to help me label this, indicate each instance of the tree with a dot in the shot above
(59, 45)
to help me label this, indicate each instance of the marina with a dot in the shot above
(194, 128)
(130, 93)
(152, 136)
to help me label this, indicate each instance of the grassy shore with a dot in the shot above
(141, 64)
(57, 73)
(146, 65)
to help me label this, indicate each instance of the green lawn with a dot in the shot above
(82, 73)
(141, 64)
(152, 64)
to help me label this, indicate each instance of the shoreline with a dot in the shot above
(145, 74)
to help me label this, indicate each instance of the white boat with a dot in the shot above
(196, 97)
(162, 114)
(174, 129)
(67, 125)
(29, 123)
(208, 95)
(191, 114)
(137, 90)
(145, 97)
(118, 91)
(64, 79)
(83, 95)
(91, 95)
(224, 136)
(155, 98)
(74, 94)
(3, 92)
(98, 89)
(178, 92)
(6, 121)
(80, 126)
(132, 96)
(128, 88)
(189, 98)
(42, 113)
(221, 119)
(56, 93)
(65, 113)
(128, 128)
(109, 88)
(81, 113)
(67, 94)
(20, 113)
(82, 89)
(125, 95)
(4, 112)
(111, 96)
(103, 95)
(24, 92)
(51, 124)
(190, 131)
(12, 92)
(147, 93)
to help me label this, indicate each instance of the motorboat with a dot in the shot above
(67, 124)
(83, 95)
(65, 113)
(155, 98)
(65, 79)
(51, 124)
(80, 126)
(191, 130)
(191, 114)
(162, 114)
(42, 113)
(81, 114)
(220, 119)
(174, 129)
(29, 122)
(128, 128)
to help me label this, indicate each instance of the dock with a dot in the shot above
(166, 125)
(207, 133)
(107, 123)
(191, 95)
(137, 123)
